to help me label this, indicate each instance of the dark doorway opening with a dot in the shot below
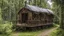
(24, 17)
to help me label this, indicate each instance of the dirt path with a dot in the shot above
(47, 32)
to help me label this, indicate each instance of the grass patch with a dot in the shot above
(30, 33)
(57, 32)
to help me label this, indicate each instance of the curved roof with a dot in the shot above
(38, 9)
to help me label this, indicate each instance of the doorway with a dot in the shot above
(24, 17)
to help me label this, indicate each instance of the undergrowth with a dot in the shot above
(5, 29)
(57, 32)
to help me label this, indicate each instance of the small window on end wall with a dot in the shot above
(24, 17)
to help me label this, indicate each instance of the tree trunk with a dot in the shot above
(62, 15)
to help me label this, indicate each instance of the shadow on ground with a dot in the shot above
(32, 29)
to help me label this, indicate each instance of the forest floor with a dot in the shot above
(45, 32)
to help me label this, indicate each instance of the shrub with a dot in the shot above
(5, 29)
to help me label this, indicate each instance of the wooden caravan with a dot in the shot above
(31, 16)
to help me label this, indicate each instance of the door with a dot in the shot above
(24, 17)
